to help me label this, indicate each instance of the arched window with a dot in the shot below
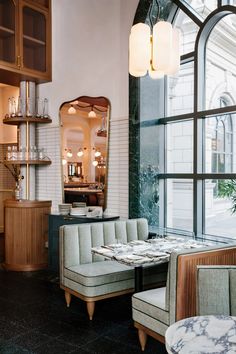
(187, 136)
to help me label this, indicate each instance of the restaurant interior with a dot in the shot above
(117, 176)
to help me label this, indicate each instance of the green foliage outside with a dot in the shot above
(227, 189)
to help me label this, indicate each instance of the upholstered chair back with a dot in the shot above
(180, 297)
(79, 239)
(216, 290)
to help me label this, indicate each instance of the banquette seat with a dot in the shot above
(90, 277)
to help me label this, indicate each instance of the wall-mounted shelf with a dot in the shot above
(20, 120)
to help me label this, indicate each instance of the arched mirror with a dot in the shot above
(84, 154)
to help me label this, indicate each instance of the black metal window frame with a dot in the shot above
(224, 8)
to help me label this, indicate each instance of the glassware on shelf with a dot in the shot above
(41, 154)
(14, 153)
(19, 112)
(45, 108)
(39, 108)
(29, 107)
(8, 115)
(9, 153)
(13, 107)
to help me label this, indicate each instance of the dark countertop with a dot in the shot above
(92, 219)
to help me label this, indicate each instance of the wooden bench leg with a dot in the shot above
(68, 298)
(142, 338)
(90, 309)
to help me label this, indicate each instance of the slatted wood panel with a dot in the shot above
(26, 230)
(4, 194)
(186, 282)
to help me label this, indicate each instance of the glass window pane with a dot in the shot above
(188, 30)
(220, 198)
(179, 149)
(220, 145)
(203, 7)
(220, 64)
(180, 91)
(149, 170)
(180, 204)
(151, 93)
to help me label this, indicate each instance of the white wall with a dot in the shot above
(90, 57)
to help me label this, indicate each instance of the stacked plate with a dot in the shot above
(80, 211)
(64, 209)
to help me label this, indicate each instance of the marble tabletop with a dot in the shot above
(202, 335)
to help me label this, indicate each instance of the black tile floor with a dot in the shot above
(35, 319)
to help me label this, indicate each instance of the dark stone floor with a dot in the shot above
(34, 319)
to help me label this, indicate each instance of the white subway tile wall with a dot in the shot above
(49, 178)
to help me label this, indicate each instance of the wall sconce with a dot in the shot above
(71, 109)
(154, 49)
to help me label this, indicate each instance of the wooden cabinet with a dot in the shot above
(25, 40)
(26, 230)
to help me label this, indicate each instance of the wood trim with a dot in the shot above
(11, 203)
(186, 277)
(24, 267)
(96, 298)
(150, 332)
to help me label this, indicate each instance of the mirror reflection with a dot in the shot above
(84, 144)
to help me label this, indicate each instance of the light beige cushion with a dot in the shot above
(99, 273)
(152, 303)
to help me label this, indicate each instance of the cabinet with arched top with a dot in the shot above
(25, 40)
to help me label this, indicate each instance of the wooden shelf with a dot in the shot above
(33, 42)
(6, 32)
(27, 162)
(20, 120)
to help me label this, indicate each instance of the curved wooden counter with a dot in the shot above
(26, 231)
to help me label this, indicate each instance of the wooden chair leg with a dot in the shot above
(68, 298)
(142, 338)
(90, 309)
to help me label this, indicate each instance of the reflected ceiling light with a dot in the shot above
(95, 163)
(69, 153)
(71, 109)
(154, 49)
(63, 161)
(80, 153)
(97, 152)
(92, 114)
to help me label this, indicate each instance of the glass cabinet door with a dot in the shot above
(8, 32)
(34, 39)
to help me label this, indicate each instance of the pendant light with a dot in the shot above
(154, 49)
(71, 109)
(92, 114)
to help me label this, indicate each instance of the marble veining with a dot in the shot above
(203, 334)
